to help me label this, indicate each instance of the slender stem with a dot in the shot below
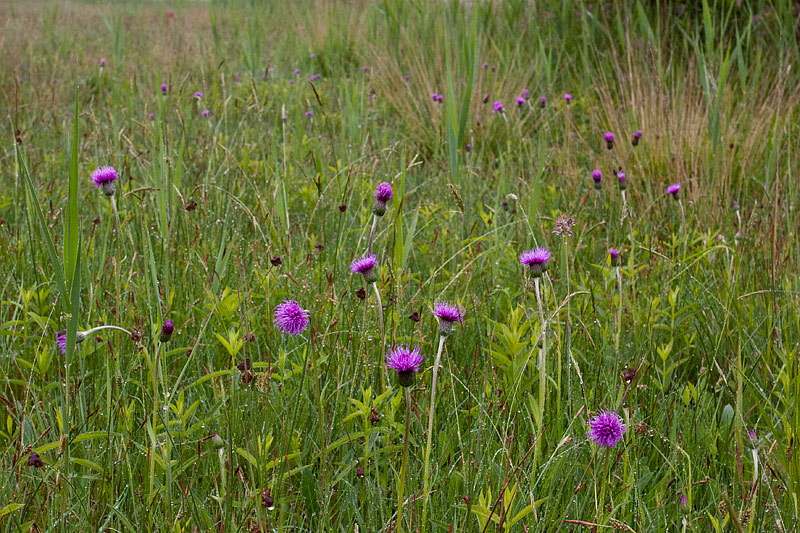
(603, 484)
(380, 305)
(404, 466)
(542, 352)
(372, 233)
(98, 328)
(568, 333)
(619, 308)
(683, 212)
(381, 368)
(429, 435)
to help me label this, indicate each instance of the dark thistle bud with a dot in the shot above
(166, 331)
(609, 137)
(636, 136)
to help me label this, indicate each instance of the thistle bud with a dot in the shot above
(166, 331)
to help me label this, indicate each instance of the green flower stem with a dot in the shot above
(403, 468)
(429, 434)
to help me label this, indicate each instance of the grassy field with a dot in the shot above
(248, 139)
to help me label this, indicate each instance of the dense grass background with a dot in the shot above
(708, 312)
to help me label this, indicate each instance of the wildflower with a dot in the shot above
(520, 102)
(468, 147)
(364, 68)
(684, 502)
(309, 113)
(290, 318)
(61, 340)
(568, 98)
(166, 331)
(564, 224)
(636, 136)
(613, 253)
(609, 138)
(297, 71)
(164, 89)
(606, 429)
(383, 193)
(623, 184)
(536, 259)
(542, 101)
(752, 434)
(597, 176)
(217, 441)
(205, 113)
(105, 177)
(526, 94)
(497, 106)
(198, 95)
(486, 97)
(406, 362)
(674, 190)
(102, 62)
(437, 97)
(151, 116)
(270, 70)
(291, 82)
(406, 78)
(366, 266)
(447, 314)
(485, 64)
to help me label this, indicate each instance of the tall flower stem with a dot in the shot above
(429, 434)
(568, 329)
(380, 305)
(619, 308)
(372, 233)
(542, 352)
(404, 466)
(381, 369)
(603, 483)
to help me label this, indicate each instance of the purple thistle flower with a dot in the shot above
(383, 193)
(164, 89)
(406, 78)
(468, 147)
(636, 136)
(206, 112)
(366, 266)
(61, 340)
(197, 94)
(542, 101)
(166, 331)
(485, 64)
(609, 138)
(684, 502)
(613, 253)
(497, 106)
(606, 429)
(297, 71)
(405, 361)
(365, 68)
(270, 70)
(151, 116)
(291, 82)
(105, 177)
(568, 98)
(674, 190)
(536, 259)
(526, 94)
(102, 62)
(447, 314)
(521, 102)
(284, 117)
(622, 180)
(752, 434)
(309, 113)
(437, 97)
(597, 176)
(290, 318)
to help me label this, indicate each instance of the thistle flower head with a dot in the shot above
(309, 113)
(520, 101)
(197, 94)
(526, 94)
(447, 314)
(568, 98)
(205, 113)
(102, 61)
(497, 106)
(383, 192)
(622, 180)
(290, 318)
(105, 177)
(613, 253)
(609, 138)
(61, 340)
(674, 190)
(366, 266)
(536, 259)
(597, 176)
(486, 98)
(164, 89)
(542, 101)
(166, 331)
(405, 361)
(606, 429)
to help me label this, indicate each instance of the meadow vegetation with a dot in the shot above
(641, 376)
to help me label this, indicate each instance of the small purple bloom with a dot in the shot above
(526, 94)
(61, 341)
(447, 314)
(319, 137)
(568, 98)
(542, 101)
(166, 331)
(366, 266)
(164, 89)
(104, 176)
(597, 176)
(102, 62)
(406, 362)
(485, 64)
(365, 68)
(674, 190)
(752, 434)
(406, 78)
(291, 82)
(468, 147)
(151, 116)
(309, 113)
(609, 137)
(270, 70)
(198, 95)
(297, 71)
(284, 117)
(383, 192)
(622, 180)
(606, 429)
(520, 102)
(613, 253)
(497, 106)
(636, 136)
(437, 97)
(536, 259)
(290, 318)
(206, 112)
(486, 97)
